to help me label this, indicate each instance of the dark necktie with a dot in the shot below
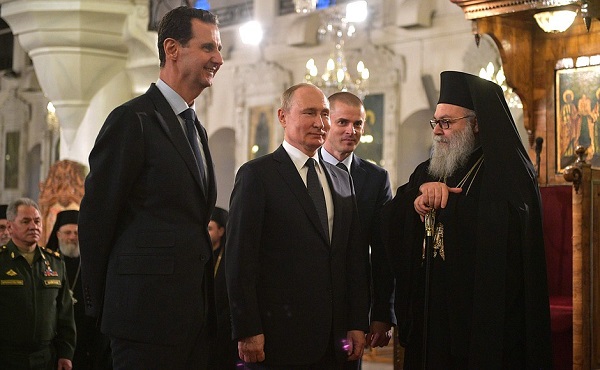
(190, 129)
(342, 166)
(315, 190)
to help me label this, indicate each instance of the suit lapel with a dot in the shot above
(335, 184)
(210, 170)
(292, 178)
(359, 175)
(170, 124)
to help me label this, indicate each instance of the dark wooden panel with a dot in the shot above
(529, 56)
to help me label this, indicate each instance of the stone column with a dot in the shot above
(76, 47)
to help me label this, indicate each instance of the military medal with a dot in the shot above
(48, 271)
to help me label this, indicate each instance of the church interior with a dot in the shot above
(64, 65)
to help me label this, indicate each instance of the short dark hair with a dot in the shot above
(220, 216)
(346, 98)
(177, 25)
(11, 211)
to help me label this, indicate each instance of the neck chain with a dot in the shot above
(462, 182)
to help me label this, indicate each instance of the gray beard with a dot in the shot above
(447, 158)
(69, 249)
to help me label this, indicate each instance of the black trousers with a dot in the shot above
(17, 359)
(327, 362)
(192, 354)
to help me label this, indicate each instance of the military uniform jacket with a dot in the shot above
(36, 307)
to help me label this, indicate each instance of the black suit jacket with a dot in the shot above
(145, 250)
(284, 278)
(372, 188)
(224, 352)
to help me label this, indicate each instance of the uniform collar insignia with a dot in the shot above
(11, 272)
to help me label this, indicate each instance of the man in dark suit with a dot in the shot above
(372, 188)
(146, 255)
(297, 283)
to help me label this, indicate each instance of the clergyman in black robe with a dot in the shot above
(92, 351)
(488, 298)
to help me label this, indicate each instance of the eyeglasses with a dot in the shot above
(445, 122)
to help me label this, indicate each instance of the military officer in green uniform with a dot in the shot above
(36, 307)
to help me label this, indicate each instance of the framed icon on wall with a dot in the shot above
(577, 111)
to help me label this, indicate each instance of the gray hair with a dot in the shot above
(288, 95)
(11, 211)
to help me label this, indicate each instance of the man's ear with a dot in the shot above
(475, 126)
(281, 117)
(171, 47)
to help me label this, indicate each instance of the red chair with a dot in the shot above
(558, 234)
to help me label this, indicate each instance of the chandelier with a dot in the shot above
(337, 76)
(555, 21)
(561, 14)
(489, 73)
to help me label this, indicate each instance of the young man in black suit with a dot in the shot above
(146, 255)
(296, 279)
(372, 188)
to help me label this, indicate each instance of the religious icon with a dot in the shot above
(577, 106)
(260, 131)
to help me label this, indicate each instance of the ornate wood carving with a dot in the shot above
(573, 172)
(475, 9)
(62, 189)
(529, 56)
(514, 38)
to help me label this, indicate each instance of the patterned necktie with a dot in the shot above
(190, 129)
(315, 190)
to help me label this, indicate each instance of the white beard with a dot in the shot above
(69, 249)
(449, 155)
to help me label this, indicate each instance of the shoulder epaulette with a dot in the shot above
(51, 252)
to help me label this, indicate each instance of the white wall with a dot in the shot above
(396, 57)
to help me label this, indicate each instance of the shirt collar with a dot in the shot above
(297, 156)
(331, 159)
(173, 98)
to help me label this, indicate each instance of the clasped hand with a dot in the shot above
(432, 195)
